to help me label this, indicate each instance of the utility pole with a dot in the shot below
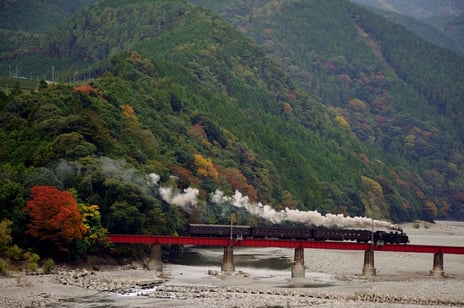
(53, 73)
(372, 235)
(231, 226)
(74, 76)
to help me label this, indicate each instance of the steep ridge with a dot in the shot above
(36, 15)
(418, 8)
(402, 111)
(183, 94)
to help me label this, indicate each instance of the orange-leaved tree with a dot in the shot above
(54, 217)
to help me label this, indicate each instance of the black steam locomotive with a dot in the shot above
(314, 234)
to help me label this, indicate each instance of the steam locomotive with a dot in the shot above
(311, 234)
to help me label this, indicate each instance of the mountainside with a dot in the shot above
(38, 15)
(185, 106)
(418, 8)
(437, 21)
(386, 83)
(454, 29)
(22, 27)
(446, 32)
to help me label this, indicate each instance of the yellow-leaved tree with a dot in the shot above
(374, 201)
(205, 167)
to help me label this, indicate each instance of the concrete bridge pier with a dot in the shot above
(228, 260)
(437, 270)
(154, 263)
(368, 268)
(298, 267)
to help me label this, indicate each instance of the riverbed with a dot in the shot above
(262, 278)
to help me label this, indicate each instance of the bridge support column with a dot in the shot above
(155, 264)
(437, 269)
(368, 268)
(298, 267)
(228, 260)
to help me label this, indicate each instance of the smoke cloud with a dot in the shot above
(307, 217)
(153, 179)
(186, 199)
(147, 185)
(120, 170)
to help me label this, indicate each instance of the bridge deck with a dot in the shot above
(212, 241)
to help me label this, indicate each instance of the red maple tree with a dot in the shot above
(54, 216)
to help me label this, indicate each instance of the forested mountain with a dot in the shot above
(37, 15)
(339, 119)
(453, 28)
(442, 31)
(418, 8)
(438, 21)
(386, 83)
(22, 24)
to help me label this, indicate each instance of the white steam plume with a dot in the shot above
(120, 170)
(307, 217)
(186, 199)
(153, 179)
(183, 199)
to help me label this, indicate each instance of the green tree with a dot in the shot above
(5, 235)
(125, 218)
(95, 237)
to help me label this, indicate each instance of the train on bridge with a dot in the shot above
(306, 234)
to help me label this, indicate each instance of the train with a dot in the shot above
(306, 234)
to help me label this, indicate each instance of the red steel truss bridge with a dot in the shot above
(212, 241)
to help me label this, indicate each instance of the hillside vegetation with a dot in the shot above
(38, 15)
(394, 90)
(185, 105)
(439, 22)
(418, 8)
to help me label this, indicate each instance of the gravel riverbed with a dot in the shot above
(333, 279)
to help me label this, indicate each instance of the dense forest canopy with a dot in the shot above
(153, 107)
(38, 15)
(436, 21)
(386, 83)
(418, 8)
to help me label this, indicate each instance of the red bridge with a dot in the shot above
(298, 266)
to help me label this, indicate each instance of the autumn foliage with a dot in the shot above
(54, 217)
(87, 90)
(206, 167)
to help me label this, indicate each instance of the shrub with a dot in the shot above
(3, 267)
(48, 266)
(14, 252)
(31, 261)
